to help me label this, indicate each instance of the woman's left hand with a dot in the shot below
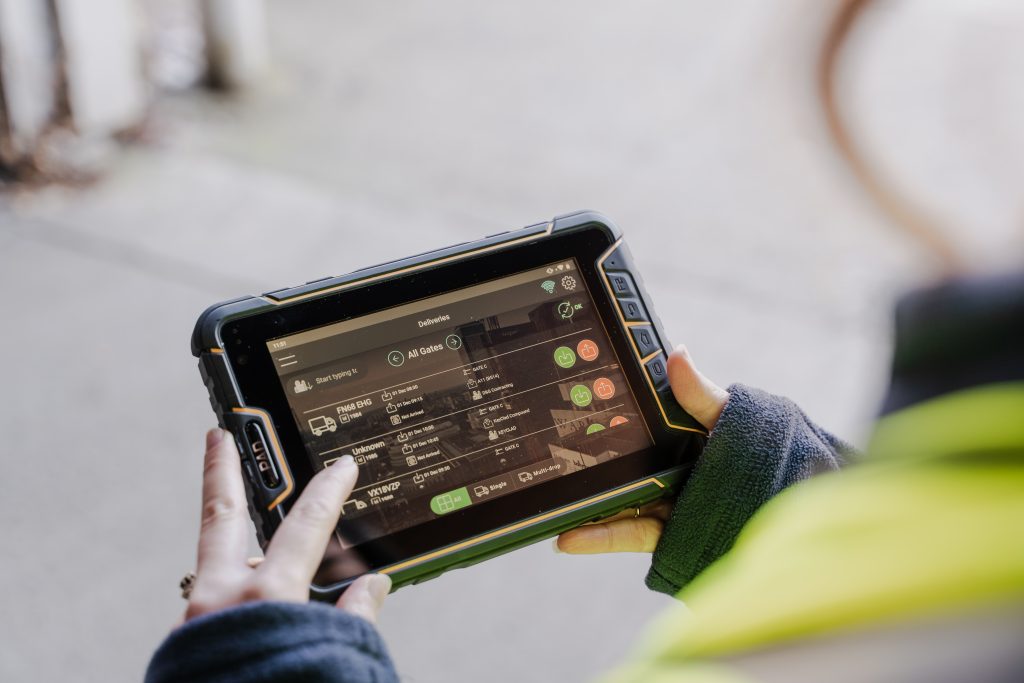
(638, 531)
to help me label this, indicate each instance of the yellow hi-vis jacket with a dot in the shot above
(907, 566)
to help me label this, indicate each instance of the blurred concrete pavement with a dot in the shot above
(386, 132)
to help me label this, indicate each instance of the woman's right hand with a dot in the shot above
(629, 532)
(225, 579)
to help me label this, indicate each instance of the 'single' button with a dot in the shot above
(646, 341)
(622, 284)
(633, 310)
(658, 371)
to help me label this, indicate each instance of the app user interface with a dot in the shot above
(459, 399)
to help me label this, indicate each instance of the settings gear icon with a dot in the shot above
(568, 283)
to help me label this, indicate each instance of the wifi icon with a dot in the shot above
(548, 286)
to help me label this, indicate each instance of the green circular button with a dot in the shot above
(581, 396)
(564, 357)
(595, 428)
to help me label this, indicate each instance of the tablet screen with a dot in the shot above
(458, 399)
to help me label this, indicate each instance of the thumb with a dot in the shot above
(365, 596)
(698, 395)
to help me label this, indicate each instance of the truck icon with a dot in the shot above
(322, 424)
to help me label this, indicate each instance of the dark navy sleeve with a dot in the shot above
(264, 642)
(761, 444)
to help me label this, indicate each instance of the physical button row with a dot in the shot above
(644, 336)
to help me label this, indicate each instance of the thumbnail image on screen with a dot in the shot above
(461, 398)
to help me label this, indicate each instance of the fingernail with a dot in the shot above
(380, 586)
(214, 437)
(554, 546)
(345, 461)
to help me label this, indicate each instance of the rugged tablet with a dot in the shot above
(493, 393)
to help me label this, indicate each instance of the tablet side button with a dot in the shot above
(674, 412)
(264, 463)
(633, 311)
(657, 370)
(622, 285)
(646, 340)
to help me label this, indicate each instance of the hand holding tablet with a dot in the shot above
(491, 394)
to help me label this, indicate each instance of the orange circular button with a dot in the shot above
(586, 349)
(617, 420)
(603, 388)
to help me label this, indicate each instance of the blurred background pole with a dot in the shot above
(76, 78)
(102, 47)
(28, 79)
(72, 79)
(236, 42)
